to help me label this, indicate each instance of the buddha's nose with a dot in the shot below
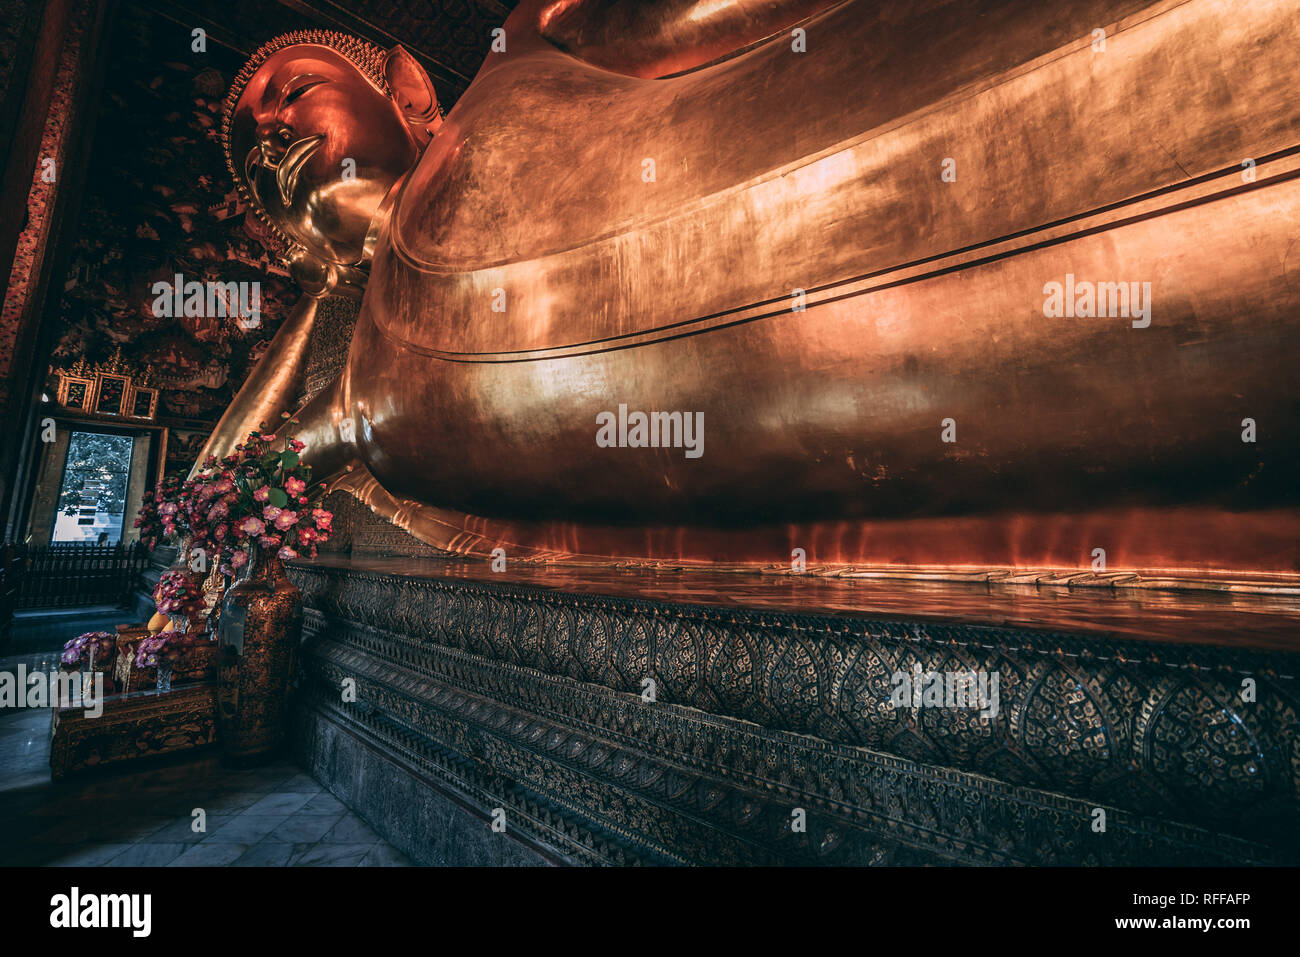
(273, 139)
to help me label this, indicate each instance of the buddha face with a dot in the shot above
(319, 145)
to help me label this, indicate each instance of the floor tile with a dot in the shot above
(330, 855)
(93, 856)
(323, 803)
(279, 804)
(182, 830)
(148, 855)
(351, 830)
(266, 855)
(385, 855)
(246, 828)
(303, 828)
(300, 784)
(210, 855)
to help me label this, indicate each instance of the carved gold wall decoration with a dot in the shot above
(113, 389)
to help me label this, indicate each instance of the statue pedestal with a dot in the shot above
(607, 716)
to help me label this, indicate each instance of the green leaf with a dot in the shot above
(278, 498)
(288, 459)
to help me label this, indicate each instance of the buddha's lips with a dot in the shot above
(286, 172)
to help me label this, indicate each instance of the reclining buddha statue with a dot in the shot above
(911, 284)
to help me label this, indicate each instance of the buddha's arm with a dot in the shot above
(327, 431)
(656, 39)
(272, 387)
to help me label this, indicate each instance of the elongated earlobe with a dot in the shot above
(319, 278)
(414, 94)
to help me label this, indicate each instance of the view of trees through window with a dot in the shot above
(92, 498)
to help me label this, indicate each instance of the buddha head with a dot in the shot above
(319, 127)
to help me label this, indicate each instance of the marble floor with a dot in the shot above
(185, 812)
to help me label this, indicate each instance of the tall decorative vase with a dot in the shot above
(259, 631)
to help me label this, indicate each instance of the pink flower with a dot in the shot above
(324, 519)
(295, 486)
(269, 542)
(286, 520)
(218, 511)
(238, 558)
(219, 533)
(262, 494)
(302, 499)
(287, 553)
(252, 525)
(271, 513)
(306, 535)
(296, 445)
(267, 437)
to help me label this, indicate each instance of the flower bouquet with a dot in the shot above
(161, 651)
(177, 593)
(78, 651)
(163, 646)
(261, 498)
(165, 514)
(160, 514)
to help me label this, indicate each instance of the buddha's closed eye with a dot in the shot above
(296, 87)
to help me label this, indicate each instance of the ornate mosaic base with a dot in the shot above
(529, 700)
(135, 725)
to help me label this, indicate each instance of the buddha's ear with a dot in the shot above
(319, 278)
(413, 93)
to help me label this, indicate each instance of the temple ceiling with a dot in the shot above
(448, 37)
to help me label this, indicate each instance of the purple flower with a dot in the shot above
(78, 649)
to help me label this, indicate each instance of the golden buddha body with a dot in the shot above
(714, 281)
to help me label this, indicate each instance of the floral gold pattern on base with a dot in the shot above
(132, 726)
(530, 697)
